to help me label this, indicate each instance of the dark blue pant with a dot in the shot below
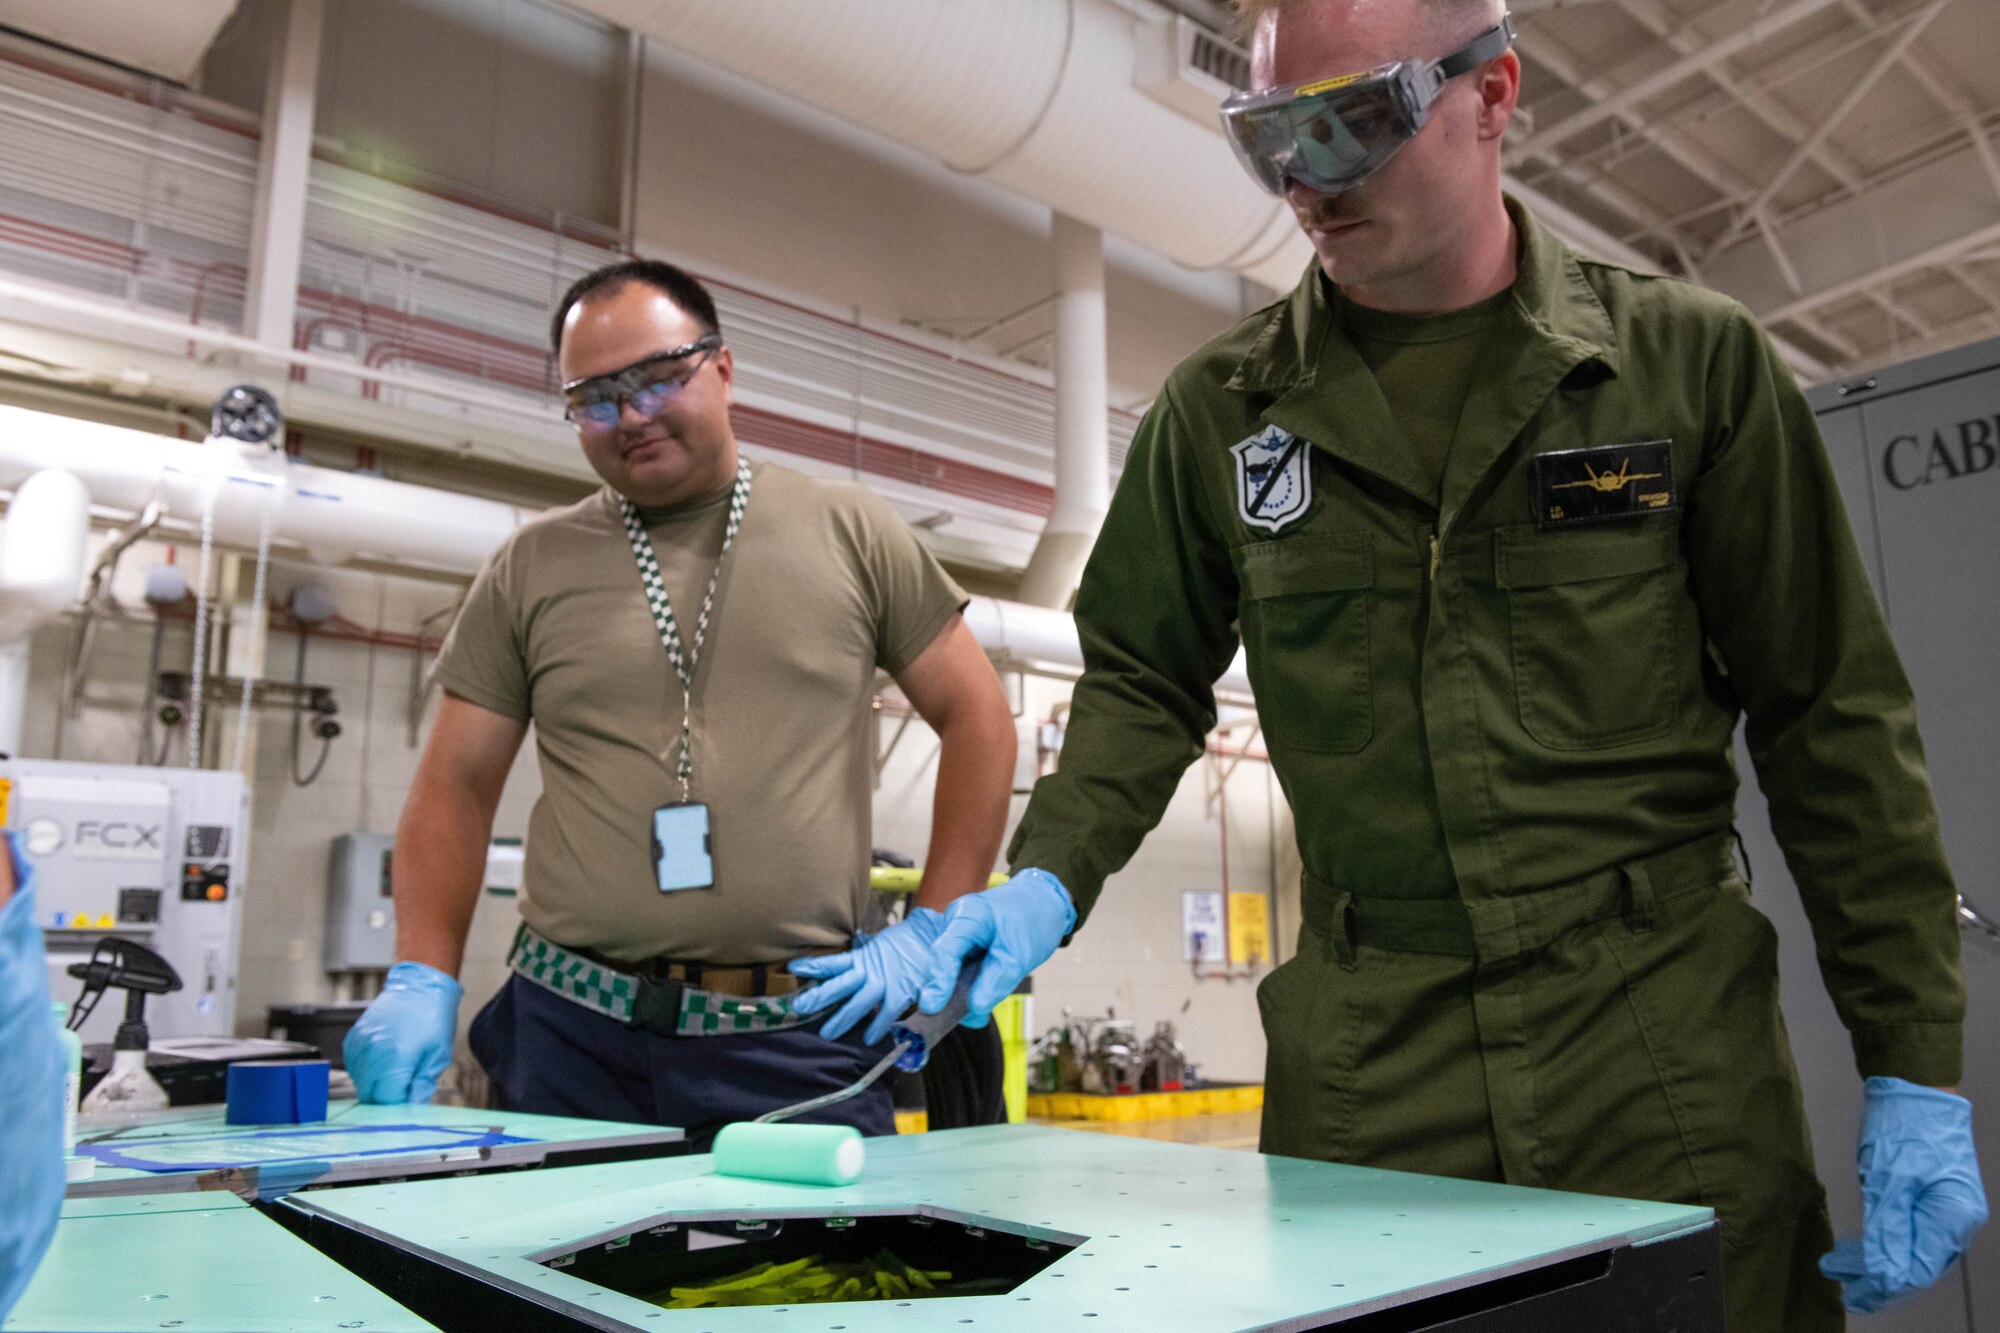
(551, 1056)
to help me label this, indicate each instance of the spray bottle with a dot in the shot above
(74, 1167)
(139, 972)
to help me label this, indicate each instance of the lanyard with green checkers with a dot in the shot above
(663, 613)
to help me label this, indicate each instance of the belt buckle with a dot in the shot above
(657, 1006)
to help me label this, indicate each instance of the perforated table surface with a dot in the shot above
(196, 1149)
(1134, 1234)
(206, 1264)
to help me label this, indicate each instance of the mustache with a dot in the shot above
(1322, 215)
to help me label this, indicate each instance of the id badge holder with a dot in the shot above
(683, 855)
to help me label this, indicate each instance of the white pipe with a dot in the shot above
(1028, 636)
(42, 554)
(341, 516)
(42, 557)
(1083, 444)
(336, 516)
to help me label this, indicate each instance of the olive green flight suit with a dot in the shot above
(1527, 954)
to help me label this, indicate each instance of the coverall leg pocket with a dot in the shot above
(1304, 1071)
(1701, 988)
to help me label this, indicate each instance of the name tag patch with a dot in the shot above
(1603, 483)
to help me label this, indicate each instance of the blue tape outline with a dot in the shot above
(117, 1155)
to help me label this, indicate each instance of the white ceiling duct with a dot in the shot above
(1037, 95)
(164, 39)
(1069, 102)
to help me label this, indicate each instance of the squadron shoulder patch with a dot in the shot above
(1273, 478)
(1607, 482)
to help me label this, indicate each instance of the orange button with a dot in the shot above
(216, 893)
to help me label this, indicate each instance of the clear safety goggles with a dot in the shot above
(649, 385)
(1329, 134)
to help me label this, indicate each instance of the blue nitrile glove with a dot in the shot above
(1921, 1197)
(882, 972)
(402, 1042)
(1019, 924)
(31, 1093)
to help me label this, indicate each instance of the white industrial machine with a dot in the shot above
(147, 854)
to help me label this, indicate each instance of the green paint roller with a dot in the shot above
(763, 1149)
(796, 1154)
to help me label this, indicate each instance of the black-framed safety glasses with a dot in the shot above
(595, 401)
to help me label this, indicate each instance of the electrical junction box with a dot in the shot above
(360, 914)
(148, 854)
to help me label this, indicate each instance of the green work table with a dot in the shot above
(196, 1149)
(197, 1265)
(1066, 1230)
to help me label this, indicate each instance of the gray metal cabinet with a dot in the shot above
(1917, 450)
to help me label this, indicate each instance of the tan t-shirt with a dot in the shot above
(824, 585)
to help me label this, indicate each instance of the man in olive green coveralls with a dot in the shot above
(1500, 694)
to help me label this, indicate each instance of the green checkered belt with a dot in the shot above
(669, 1005)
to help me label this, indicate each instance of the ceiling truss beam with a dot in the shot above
(1780, 119)
(1920, 219)
(1752, 213)
(1687, 66)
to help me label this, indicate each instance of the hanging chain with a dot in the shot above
(200, 666)
(260, 616)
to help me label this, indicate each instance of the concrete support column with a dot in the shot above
(278, 225)
(1083, 445)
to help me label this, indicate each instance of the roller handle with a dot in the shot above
(921, 1031)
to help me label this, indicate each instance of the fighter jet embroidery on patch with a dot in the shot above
(1610, 481)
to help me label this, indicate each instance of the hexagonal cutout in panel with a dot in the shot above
(709, 1261)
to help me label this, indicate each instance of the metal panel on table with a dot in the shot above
(208, 1264)
(1140, 1234)
(197, 1149)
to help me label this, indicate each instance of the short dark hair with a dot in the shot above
(675, 283)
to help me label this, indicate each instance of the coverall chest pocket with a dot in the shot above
(1305, 610)
(1591, 621)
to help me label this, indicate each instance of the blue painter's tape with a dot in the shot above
(276, 1092)
(311, 1148)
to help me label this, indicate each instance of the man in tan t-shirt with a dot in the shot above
(697, 645)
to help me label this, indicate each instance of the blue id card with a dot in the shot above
(682, 855)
